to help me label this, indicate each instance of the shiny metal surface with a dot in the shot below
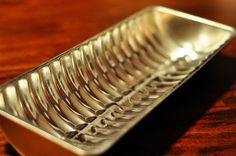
(84, 100)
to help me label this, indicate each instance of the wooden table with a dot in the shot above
(200, 118)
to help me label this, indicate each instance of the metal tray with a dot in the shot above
(84, 100)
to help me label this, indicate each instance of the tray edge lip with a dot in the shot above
(195, 18)
(42, 133)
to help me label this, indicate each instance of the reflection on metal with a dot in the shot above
(87, 98)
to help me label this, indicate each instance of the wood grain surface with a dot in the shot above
(199, 119)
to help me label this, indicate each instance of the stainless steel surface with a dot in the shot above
(87, 98)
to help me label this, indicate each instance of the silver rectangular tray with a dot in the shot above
(84, 100)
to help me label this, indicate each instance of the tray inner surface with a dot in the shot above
(95, 92)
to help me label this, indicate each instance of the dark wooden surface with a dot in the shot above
(199, 119)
